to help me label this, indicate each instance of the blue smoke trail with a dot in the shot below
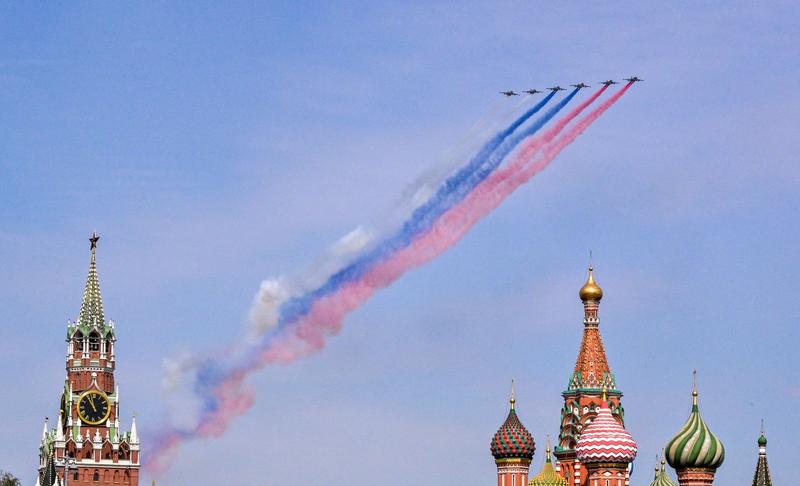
(453, 190)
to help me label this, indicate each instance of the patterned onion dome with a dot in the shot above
(605, 440)
(662, 478)
(548, 476)
(694, 446)
(512, 440)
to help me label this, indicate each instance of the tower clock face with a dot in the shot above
(93, 407)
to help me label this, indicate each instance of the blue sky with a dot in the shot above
(214, 145)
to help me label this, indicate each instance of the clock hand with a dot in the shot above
(94, 407)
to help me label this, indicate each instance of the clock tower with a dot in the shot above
(87, 444)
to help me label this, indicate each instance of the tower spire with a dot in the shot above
(589, 378)
(91, 312)
(591, 368)
(762, 476)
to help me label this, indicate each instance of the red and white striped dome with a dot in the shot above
(605, 440)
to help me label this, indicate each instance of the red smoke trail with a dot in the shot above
(528, 150)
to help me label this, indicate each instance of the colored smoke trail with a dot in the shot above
(213, 377)
(274, 307)
(218, 382)
(450, 193)
(327, 314)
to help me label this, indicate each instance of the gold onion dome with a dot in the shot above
(590, 290)
(694, 446)
(548, 476)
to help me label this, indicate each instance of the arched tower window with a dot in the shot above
(94, 341)
(78, 341)
(96, 476)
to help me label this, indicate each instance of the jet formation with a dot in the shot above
(533, 91)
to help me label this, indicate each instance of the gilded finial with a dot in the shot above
(547, 448)
(694, 387)
(513, 398)
(590, 290)
(93, 241)
(605, 395)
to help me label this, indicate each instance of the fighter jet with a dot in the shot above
(556, 88)
(509, 93)
(580, 85)
(608, 82)
(532, 91)
(633, 79)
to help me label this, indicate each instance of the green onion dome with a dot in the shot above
(762, 441)
(548, 476)
(695, 446)
(512, 440)
(662, 478)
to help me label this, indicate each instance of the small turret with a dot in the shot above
(44, 431)
(59, 430)
(661, 477)
(134, 437)
(762, 476)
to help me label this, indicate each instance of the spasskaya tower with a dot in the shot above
(87, 445)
